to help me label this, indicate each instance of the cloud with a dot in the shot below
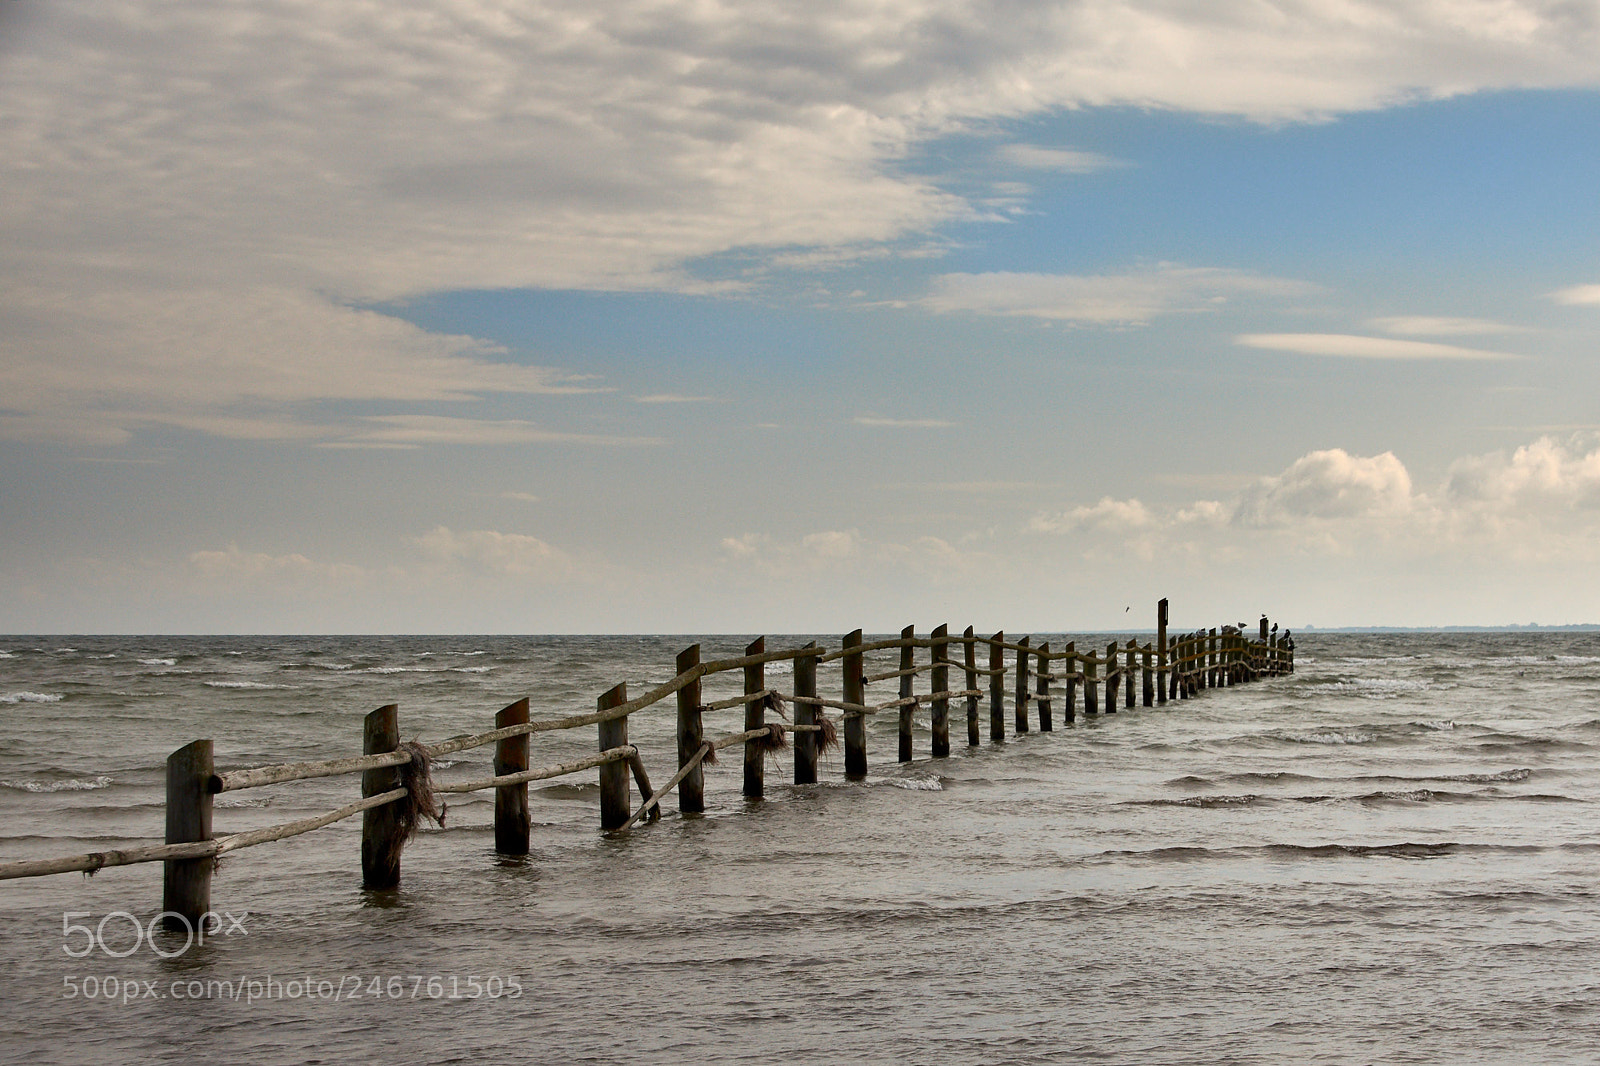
(487, 551)
(204, 201)
(1348, 346)
(879, 422)
(520, 497)
(1331, 484)
(1578, 296)
(234, 565)
(1104, 299)
(1066, 160)
(1108, 516)
(1433, 326)
(412, 430)
(673, 397)
(1546, 475)
(832, 544)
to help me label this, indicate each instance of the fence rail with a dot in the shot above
(398, 789)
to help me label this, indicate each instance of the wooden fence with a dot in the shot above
(397, 789)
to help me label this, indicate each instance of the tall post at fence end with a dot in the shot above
(1162, 663)
(186, 883)
(805, 714)
(691, 736)
(941, 683)
(755, 717)
(511, 826)
(380, 826)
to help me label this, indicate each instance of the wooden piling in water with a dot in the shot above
(511, 822)
(755, 716)
(907, 661)
(614, 794)
(805, 714)
(1020, 700)
(941, 683)
(1042, 689)
(380, 826)
(1147, 690)
(186, 883)
(969, 659)
(691, 734)
(1113, 678)
(1163, 655)
(855, 725)
(1091, 686)
(1070, 664)
(997, 688)
(1131, 675)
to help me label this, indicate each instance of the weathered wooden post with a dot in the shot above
(614, 793)
(805, 741)
(691, 735)
(380, 826)
(1113, 677)
(1091, 686)
(997, 687)
(855, 723)
(1042, 689)
(907, 662)
(941, 683)
(969, 660)
(1020, 700)
(1211, 658)
(1288, 652)
(1164, 676)
(1277, 666)
(511, 825)
(1132, 673)
(1180, 673)
(1070, 664)
(1148, 691)
(186, 883)
(755, 716)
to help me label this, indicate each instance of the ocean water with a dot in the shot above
(1389, 857)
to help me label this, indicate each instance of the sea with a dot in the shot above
(1390, 856)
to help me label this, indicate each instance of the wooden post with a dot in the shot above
(1149, 690)
(805, 741)
(969, 659)
(1070, 663)
(1020, 703)
(380, 826)
(1288, 652)
(855, 725)
(186, 883)
(755, 716)
(941, 683)
(1113, 678)
(1162, 659)
(1132, 674)
(997, 688)
(906, 678)
(1042, 689)
(691, 735)
(614, 794)
(1091, 686)
(511, 826)
(1215, 658)
(1180, 675)
(1276, 665)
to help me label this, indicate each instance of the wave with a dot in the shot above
(1207, 802)
(915, 784)
(30, 697)
(243, 684)
(470, 669)
(1330, 736)
(158, 662)
(1298, 852)
(58, 786)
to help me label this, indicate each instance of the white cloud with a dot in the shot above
(879, 422)
(200, 197)
(235, 565)
(490, 552)
(1578, 296)
(402, 430)
(832, 544)
(673, 397)
(1348, 346)
(1104, 299)
(1066, 160)
(1108, 516)
(1437, 326)
(1546, 475)
(1328, 484)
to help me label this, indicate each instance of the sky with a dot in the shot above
(704, 316)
